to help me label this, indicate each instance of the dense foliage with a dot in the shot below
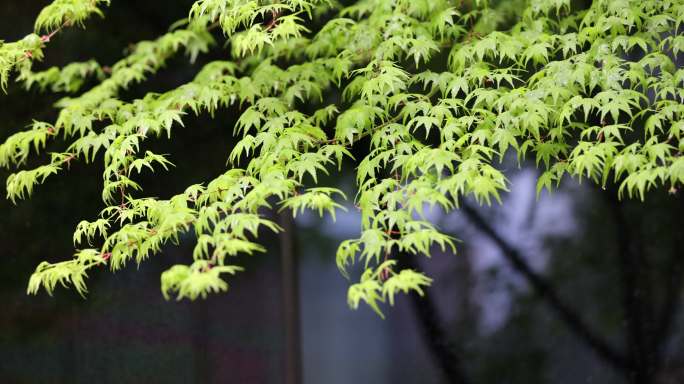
(441, 91)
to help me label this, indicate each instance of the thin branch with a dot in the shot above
(546, 291)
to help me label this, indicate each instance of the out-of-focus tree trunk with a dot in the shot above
(291, 310)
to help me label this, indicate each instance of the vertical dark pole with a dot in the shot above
(70, 371)
(290, 277)
(445, 355)
(201, 331)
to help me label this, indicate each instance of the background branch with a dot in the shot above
(547, 292)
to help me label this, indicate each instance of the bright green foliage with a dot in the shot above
(439, 92)
(67, 12)
(13, 54)
(59, 14)
(69, 79)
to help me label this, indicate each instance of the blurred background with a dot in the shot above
(573, 287)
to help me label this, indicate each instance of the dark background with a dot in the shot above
(535, 284)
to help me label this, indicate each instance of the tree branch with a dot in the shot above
(546, 291)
